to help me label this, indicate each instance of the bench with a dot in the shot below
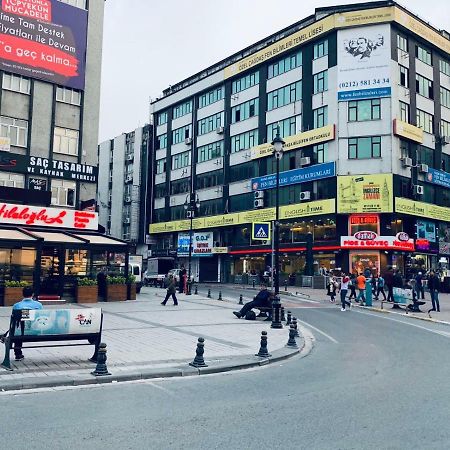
(52, 325)
(405, 298)
(264, 311)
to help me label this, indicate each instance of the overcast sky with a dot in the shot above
(151, 44)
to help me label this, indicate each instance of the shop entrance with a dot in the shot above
(361, 260)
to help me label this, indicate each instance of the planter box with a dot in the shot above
(13, 295)
(116, 292)
(87, 294)
(132, 292)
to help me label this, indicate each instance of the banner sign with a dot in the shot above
(36, 165)
(47, 217)
(183, 244)
(426, 230)
(438, 177)
(365, 194)
(364, 57)
(44, 39)
(406, 206)
(219, 250)
(37, 184)
(203, 244)
(296, 176)
(408, 131)
(367, 240)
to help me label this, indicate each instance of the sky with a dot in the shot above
(151, 44)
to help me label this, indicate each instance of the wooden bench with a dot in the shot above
(51, 325)
(264, 311)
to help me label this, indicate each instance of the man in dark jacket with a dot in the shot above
(420, 291)
(433, 286)
(389, 282)
(263, 299)
(170, 292)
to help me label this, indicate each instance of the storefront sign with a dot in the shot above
(367, 240)
(219, 250)
(37, 184)
(363, 220)
(408, 131)
(426, 230)
(438, 177)
(203, 244)
(406, 206)
(300, 140)
(183, 244)
(402, 236)
(296, 176)
(422, 244)
(44, 39)
(365, 193)
(47, 217)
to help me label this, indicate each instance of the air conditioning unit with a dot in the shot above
(126, 220)
(423, 168)
(128, 199)
(306, 195)
(407, 162)
(188, 141)
(190, 214)
(305, 161)
(259, 203)
(259, 194)
(130, 157)
(219, 130)
(418, 190)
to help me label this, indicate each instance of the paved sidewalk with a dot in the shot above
(147, 339)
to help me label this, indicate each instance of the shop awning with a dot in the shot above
(61, 238)
(15, 235)
(98, 239)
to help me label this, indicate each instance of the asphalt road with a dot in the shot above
(372, 381)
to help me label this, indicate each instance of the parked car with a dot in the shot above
(175, 273)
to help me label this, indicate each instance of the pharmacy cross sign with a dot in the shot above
(261, 231)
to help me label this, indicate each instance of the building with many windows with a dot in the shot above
(361, 95)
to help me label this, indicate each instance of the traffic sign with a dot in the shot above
(261, 231)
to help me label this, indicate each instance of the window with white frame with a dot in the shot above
(12, 180)
(445, 128)
(210, 151)
(364, 147)
(425, 121)
(181, 160)
(244, 141)
(321, 49)
(404, 112)
(284, 96)
(210, 97)
(161, 165)
(245, 82)
(211, 123)
(63, 193)
(402, 43)
(445, 97)
(182, 109)
(423, 55)
(360, 110)
(321, 82)
(67, 95)
(245, 110)
(424, 86)
(285, 65)
(65, 141)
(288, 127)
(444, 67)
(16, 83)
(162, 141)
(15, 129)
(320, 117)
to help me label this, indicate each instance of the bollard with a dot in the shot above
(253, 284)
(209, 293)
(101, 369)
(263, 352)
(198, 360)
(294, 321)
(285, 285)
(240, 300)
(196, 290)
(220, 295)
(283, 317)
(289, 318)
(291, 342)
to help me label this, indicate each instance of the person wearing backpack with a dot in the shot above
(331, 289)
(380, 288)
(352, 286)
(343, 289)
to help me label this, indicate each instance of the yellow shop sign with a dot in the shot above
(408, 131)
(406, 206)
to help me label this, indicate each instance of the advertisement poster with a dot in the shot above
(444, 238)
(37, 184)
(365, 194)
(183, 244)
(44, 39)
(426, 230)
(203, 244)
(364, 56)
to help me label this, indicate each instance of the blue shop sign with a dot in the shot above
(438, 177)
(296, 176)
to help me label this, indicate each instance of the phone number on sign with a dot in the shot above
(367, 83)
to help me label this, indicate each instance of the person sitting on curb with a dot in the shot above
(263, 299)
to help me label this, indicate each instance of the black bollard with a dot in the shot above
(101, 369)
(294, 321)
(263, 352)
(283, 317)
(198, 360)
(220, 295)
(289, 318)
(240, 300)
(291, 342)
(209, 293)
(285, 285)
(196, 290)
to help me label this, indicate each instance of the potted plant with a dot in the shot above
(116, 289)
(131, 281)
(87, 290)
(13, 292)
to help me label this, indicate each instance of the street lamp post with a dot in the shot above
(191, 206)
(278, 153)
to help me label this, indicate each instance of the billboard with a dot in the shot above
(438, 177)
(365, 194)
(364, 56)
(44, 39)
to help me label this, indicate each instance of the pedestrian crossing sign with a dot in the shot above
(261, 231)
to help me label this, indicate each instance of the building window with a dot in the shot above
(321, 82)
(210, 97)
(77, 3)
(402, 43)
(210, 179)
(423, 55)
(16, 83)
(404, 112)
(321, 49)
(242, 171)
(360, 110)
(211, 123)
(445, 97)
(160, 190)
(445, 128)
(288, 127)
(320, 117)
(181, 160)
(445, 164)
(180, 186)
(245, 82)
(63, 193)
(12, 180)
(241, 202)
(211, 207)
(180, 134)
(425, 121)
(285, 65)
(67, 95)
(244, 141)
(162, 141)
(182, 110)
(424, 86)
(364, 147)
(425, 155)
(285, 95)
(65, 141)
(210, 151)
(444, 67)
(320, 153)
(245, 110)
(15, 129)
(404, 77)
(162, 118)
(160, 166)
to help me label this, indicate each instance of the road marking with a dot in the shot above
(319, 331)
(151, 383)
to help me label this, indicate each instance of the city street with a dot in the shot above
(372, 381)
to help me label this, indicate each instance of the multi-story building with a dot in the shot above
(123, 194)
(361, 96)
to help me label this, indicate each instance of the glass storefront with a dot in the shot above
(17, 264)
(361, 260)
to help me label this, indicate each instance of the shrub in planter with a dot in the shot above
(131, 281)
(116, 289)
(87, 290)
(13, 292)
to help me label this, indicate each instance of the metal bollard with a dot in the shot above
(209, 293)
(289, 318)
(196, 290)
(294, 321)
(285, 285)
(263, 352)
(220, 295)
(253, 282)
(101, 369)
(283, 317)
(291, 342)
(240, 300)
(198, 360)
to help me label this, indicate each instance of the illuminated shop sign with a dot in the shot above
(368, 240)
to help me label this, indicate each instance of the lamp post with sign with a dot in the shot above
(277, 144)
(191, 206)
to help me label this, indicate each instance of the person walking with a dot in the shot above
(352, 286)
(331, 289)
(171, 290)
(389, 282)
(343, 289)
(380, 288)
(182, 281)
(419, 286)
(361, 285)
(433, 286)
